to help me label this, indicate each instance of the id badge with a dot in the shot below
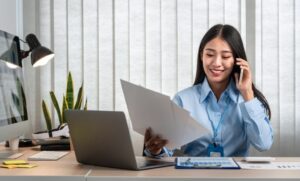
(214, 150)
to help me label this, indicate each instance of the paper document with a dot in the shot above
(206, 163)
(271, 165)
(148, 108)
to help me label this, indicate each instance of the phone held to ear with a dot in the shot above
(241, 76)
(240, 71)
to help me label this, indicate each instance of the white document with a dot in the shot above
(258, 159)
(152, 109)
(270, 166)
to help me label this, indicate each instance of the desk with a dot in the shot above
(67, 169)
(169, 173)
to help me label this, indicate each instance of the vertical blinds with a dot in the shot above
(277, 69)
(153, 43)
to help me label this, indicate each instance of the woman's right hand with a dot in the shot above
(154, 143)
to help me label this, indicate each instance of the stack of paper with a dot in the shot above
(151, 109)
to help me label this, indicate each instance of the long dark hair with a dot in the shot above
(229, 34)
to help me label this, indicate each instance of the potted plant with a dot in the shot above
(67, 103)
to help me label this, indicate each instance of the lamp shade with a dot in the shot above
(40, 55)
(12, 56)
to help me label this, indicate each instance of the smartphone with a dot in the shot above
(237, 69)
(241, 76)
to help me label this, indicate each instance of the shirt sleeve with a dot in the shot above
(177, 100)
(257, 124)
(164, 152)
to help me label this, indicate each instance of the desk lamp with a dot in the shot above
(40, 55)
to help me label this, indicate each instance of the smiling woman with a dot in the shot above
(234, 111)
(223, 44)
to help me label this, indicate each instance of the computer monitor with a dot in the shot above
(13, 112)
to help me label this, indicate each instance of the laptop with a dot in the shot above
(102, 138)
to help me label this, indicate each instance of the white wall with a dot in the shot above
(8, 16)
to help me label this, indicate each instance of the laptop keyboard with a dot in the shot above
(143, 162)
(48, 155)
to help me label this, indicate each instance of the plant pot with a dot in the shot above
(61, 130)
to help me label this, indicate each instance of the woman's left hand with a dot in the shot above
(245, 85)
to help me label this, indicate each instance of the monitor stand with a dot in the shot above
(12, 151)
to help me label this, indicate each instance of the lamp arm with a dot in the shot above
(22, 40)
(24, 53)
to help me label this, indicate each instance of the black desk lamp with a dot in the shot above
(40, 55)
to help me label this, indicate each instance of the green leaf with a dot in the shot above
(64, 107)
(56, 106)
(68, 100)
(47, 116)
(79, 98)
(70, 92)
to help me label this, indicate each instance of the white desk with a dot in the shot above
(67, 169)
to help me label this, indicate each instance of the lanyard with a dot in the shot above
(216, 129)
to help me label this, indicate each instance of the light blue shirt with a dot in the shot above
(244, 124)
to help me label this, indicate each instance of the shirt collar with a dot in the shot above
(231, 90)
(204, 90)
